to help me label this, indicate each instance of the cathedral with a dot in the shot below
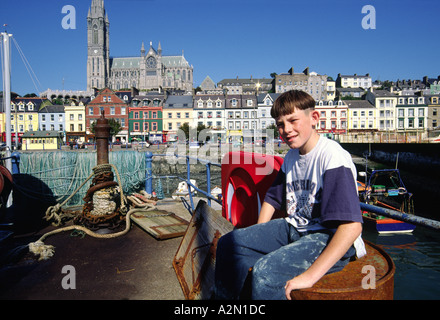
(150, 70)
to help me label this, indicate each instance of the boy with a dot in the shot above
(316, 185)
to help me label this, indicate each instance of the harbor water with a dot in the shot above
(417, 254)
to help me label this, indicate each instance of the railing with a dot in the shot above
(149, 176)
(432, 224)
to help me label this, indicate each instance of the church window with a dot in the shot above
(95, 34)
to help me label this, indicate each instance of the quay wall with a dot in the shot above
(420, 158)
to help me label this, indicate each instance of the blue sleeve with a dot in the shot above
(339, 198)
(276, 194)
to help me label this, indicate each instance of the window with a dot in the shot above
(136, 114)
(80, 117)
(72, 117)
(400, 123)
(123, 111)
(421, 112)
(154, 126)
(170, 115)
(91, 111)
(43, 117)
(112, 110)
(154, 114)
(136, 126)
(52, 118)
(400, 112)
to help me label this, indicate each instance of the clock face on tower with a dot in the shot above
(151, 62)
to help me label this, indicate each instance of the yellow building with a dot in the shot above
(75, 119)
(41, 140)
(385, 103)
(176, 111)
(24, 115)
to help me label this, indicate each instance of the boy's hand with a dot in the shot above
(299, 282)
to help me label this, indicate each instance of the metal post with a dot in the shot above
(208, 183)
(188, 172)
(149, 172)
(7, 96)
(15, 163)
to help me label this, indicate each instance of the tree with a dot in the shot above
(115, 127)
(276, 133)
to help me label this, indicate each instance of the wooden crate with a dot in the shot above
(194, 261)
(160, 224)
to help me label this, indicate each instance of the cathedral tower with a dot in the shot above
(98, 63)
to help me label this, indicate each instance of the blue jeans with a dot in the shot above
(275, 251)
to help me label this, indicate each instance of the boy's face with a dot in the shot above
(297, 129)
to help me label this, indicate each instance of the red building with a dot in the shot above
(114, 108)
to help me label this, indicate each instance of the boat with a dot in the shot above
(385, 188)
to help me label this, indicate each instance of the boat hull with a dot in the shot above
(387, 225)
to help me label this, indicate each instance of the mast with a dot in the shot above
(7, 96)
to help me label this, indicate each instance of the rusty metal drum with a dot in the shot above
(350, 283)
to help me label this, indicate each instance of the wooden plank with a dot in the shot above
(194, 261)
(160, 224)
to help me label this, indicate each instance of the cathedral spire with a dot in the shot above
(142, 50)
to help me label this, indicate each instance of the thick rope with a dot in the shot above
(46, 251)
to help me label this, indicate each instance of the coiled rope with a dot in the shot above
(53, 213)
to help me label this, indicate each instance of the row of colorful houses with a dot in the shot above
(157, 116)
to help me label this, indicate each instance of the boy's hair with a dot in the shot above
(289, 101)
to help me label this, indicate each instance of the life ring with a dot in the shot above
(246, 177)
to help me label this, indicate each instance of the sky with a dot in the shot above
(229, 38)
